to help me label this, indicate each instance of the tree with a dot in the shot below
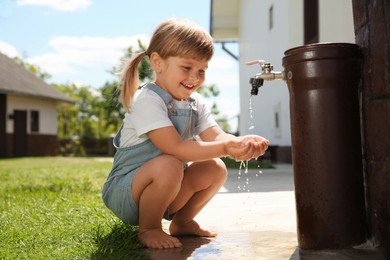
(82, 121)
(113, 111)
(212, 91)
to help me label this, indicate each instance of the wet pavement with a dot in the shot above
(254, 215)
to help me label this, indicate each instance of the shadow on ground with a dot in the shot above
(120, 243)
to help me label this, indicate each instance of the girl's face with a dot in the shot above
(180, 77)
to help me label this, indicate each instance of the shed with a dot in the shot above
(28, 115)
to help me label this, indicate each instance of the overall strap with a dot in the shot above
(162, 93)
(117, 137)
(168, 100)
(184, 120)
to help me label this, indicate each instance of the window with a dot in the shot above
(277, 122)
(310, 18)
(271, 17)
(34, 121)
(277, 115)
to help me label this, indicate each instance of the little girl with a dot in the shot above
(167, 161)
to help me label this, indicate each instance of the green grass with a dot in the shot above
(51, 208)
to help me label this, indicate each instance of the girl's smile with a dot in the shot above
(187, 85)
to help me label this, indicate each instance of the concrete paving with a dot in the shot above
(254, 215)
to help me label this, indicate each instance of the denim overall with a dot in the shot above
(116, 193)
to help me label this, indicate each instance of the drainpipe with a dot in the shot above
(223, 44)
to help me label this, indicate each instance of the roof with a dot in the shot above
(224, 20)
(16, 80)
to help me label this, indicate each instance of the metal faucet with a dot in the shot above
(266, 74)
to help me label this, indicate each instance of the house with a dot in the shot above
(265, 30)
(28, 116)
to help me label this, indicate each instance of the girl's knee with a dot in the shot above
(219, 168)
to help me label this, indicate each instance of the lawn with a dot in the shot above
(51, 208)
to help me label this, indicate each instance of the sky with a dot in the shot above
(80, 41)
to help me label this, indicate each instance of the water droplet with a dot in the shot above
(242, 186)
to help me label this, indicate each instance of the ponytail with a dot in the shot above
(129, 79)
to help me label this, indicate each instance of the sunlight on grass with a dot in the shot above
(51, 208)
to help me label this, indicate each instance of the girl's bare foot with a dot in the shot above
(157, 238)
(189, 228)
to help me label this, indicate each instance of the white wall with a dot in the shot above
(257, 41)
(46, 108)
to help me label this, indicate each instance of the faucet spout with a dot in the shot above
(256, 84)
(266, 74)
(272, 75)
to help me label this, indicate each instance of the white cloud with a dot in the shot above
(72, 54)
(59, 5)
(9, 50)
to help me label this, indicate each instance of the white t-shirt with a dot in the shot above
(148, 112)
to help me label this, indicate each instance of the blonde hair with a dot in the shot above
(172, 38)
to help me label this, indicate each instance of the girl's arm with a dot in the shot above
(215, 133)
(169, 141)
(216, 143)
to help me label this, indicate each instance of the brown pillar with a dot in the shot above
(323, 81)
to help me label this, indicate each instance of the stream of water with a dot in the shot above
(244, 184)
(251, 126)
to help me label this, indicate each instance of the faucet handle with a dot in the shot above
(267, 68)
(253, 62)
